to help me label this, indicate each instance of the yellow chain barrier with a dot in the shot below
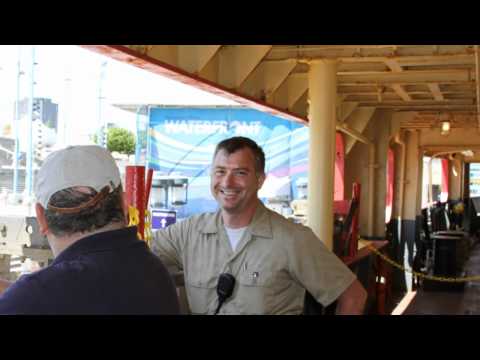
(133, 216)
(416, 273)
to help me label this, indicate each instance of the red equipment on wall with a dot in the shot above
(390, 183)
(444, 186)
(346, 224)
(137, 192)
(339, 189)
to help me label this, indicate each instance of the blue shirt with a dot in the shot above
(112, 272)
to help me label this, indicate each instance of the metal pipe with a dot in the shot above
(353, 133)
(371, 172)
(397, 139)
(371, 185)
(454, 185)
(477, 81)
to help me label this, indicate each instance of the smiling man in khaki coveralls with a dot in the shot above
(273, 260)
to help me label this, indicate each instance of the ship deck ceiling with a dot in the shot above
(426, 79)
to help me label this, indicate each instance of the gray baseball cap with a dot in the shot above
(82, 165)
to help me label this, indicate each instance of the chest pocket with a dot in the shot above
(200, 286)
(255, 290)
(201, 292)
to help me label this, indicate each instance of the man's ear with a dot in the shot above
(41, 219)
(261, 180)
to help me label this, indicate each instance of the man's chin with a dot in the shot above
(231, 209)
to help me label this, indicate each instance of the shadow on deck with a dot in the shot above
(466, 302)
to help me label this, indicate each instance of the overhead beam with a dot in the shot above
(435, 90)
(358, 121)
(448, 147)
(409, 77)
(165, 53)
(413, 83)
(340, 99)
(404, 77)
(466, 94)
(353, 133)
(393, 65)
(346, 109)
(193, 58)
(461, 58)
(400, 91)
(427, 60)
(477, 81)
(290, 91)
(418, 102)
(301, 106)
(410, 107)
(267, 78)
(237, 62)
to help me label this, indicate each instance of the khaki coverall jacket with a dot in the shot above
(273, 264)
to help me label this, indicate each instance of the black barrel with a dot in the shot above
(446, 261)
(462, 247)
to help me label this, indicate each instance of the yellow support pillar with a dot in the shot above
(322, 78)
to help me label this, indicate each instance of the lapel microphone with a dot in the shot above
(225, 286)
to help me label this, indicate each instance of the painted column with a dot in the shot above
(135, 193)
(322, 78)
(445, 173)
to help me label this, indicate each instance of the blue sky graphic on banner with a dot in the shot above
(182, 141)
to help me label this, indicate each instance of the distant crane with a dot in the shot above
(29, 172)
(102, 133)
(16, 124)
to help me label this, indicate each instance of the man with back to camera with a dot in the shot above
(274, 261)
(100, 265)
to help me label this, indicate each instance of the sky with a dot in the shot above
(71, 77)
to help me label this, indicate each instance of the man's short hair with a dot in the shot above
(233, 144)
(105, 211)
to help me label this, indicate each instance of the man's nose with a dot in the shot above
(227, 180)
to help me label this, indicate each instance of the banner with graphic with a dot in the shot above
(182, 142)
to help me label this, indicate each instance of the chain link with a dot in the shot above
(418, 274)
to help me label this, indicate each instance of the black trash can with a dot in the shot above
(448, 261)
(445, 255)
(461, 247)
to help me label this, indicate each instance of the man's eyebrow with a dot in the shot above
(234, 169)
(242, 168)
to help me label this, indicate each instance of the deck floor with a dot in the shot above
(466, 302)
